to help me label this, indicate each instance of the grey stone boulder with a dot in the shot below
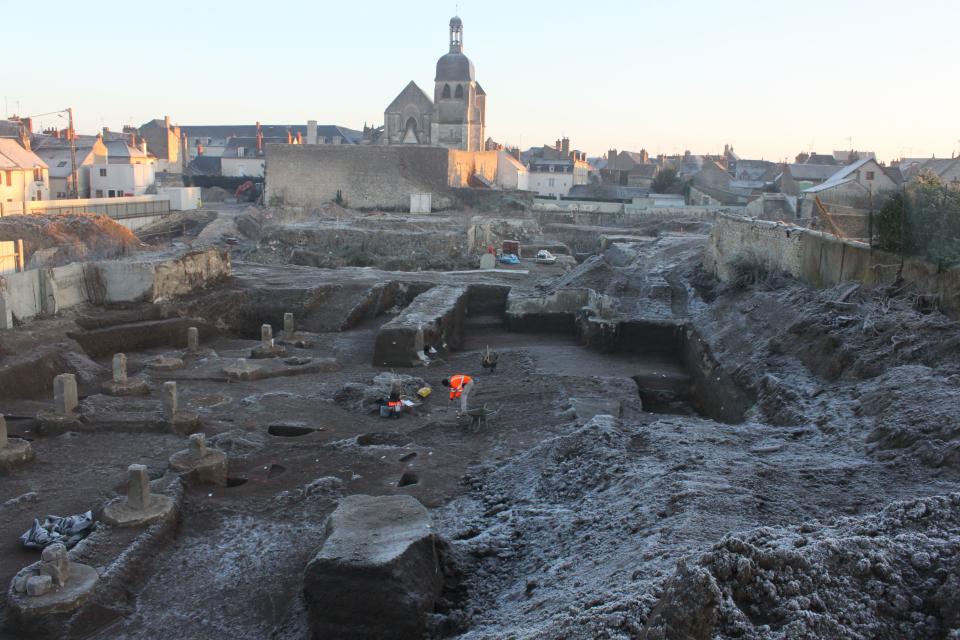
(378, 572)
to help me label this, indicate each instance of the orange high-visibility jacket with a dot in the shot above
(457, 383)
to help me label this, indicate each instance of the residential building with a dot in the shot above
(620, 164)
(213, 140)
(555, 177)
(642, 175)
(947, 169)
(55, 151)
(164, 141)
(798, 177)
(244, 157)
(23, 175)
(118, 180)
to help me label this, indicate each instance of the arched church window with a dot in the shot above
(446, 91)
(459, 91)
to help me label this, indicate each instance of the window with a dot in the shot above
(869, 175)
(111, 193)
(9, 182)
(37, 174)
(62, 163)
(99, 193)
(446, 91)
(551, 182)
(241, 152)
(103, 173)
(39, 195)
(459, 91)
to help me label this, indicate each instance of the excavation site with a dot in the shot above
(489, 420)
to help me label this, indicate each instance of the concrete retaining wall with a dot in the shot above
(368, 177)
(821, 259)
(149, 278)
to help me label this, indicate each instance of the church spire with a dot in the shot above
(456, 35)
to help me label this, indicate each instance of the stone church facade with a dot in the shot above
(455, 117)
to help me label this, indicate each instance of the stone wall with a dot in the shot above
(368, 177)
(821, 259)
(149, 278)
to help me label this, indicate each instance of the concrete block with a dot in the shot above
(119, 367)
(193, 339)
(138, 488)
(378, 573)
(288, 325)
(65, 394)
(54, 563)
(39, 585)
(6, 311)
(170, 400)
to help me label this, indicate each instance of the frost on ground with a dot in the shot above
(892, 575)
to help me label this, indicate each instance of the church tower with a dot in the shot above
(459, 102)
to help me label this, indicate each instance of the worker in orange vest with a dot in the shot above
(460, 386)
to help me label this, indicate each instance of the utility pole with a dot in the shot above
(73, 154)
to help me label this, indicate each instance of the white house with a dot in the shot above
(23, 175)
(118, 180)
(511, 174)
(555, 178)
(853, 183)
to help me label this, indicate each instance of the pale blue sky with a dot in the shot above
(772, 78)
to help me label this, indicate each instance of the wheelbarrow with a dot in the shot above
(481, 415)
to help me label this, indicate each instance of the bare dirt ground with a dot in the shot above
(574, 514)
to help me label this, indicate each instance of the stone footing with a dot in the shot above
(129, 387)
(51, 423)
(208, 469)
(119, 513)
(26, 608)
(276, 351)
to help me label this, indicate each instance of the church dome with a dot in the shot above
(456, 22)
(455, 67)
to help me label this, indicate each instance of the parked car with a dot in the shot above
(545, 257)
(509, 258)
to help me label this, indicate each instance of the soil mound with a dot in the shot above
(891, 575)
(56, 240)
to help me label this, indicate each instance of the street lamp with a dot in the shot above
(71, 135)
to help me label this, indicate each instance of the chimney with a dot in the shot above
(556, 145)
(166, 121)
(199, 148)
(24, 135)
(143, 147)
(299, 137)
(289, 137)
(133, 139)
(106, 132)
(259, 140)
(565, 147)
(312, 131)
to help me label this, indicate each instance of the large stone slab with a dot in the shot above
(378, 573)
(434, 318)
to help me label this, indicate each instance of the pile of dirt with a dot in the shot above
(214, 194)
(56, 240)
(892, 575)
(177, 224)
